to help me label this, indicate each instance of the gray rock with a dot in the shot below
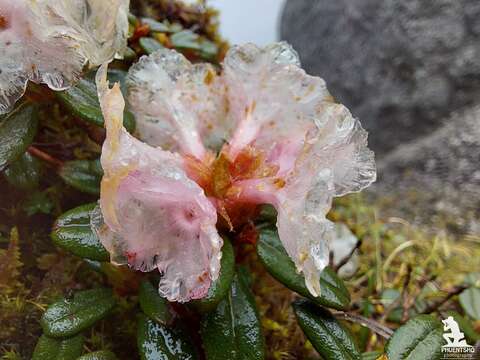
(437, 175)
(399, 65)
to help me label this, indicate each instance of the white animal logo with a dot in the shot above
(455, 338)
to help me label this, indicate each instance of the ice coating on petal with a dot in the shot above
(177, 105)
(153, 215)
(319, 149)
(49, 41)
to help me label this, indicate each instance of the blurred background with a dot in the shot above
(410, 70)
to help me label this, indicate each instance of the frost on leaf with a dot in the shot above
(50, 41)
(152, 214)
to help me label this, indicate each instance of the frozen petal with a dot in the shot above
(154, 216)
(271, 98)
(177, 104)
(49, 41)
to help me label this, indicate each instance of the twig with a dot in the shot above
(405, 294)
(373, 325)
(347, 258)
(402, 297)
(434, 305)
(32, 150)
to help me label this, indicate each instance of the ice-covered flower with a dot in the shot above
(263, 131)
(50, 41)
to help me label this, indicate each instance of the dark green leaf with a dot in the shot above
(470, 301)
(327, 335)
(419, 338)
(219, 288)
(159, 342)
(69, 316)
(334, 294)
(73, 233)
(99, 355)
(23, 173)
(150, 45)
(152, 304)
(83, 175)
(232, 331)
(17, 130)
(58, 349)
(38, 203)
(82, 100)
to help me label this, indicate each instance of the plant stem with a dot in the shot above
(373, 325)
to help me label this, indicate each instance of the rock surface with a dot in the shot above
(438, 175)
(400, 66)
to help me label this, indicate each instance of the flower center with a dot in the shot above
(220, 178)
(3, 22)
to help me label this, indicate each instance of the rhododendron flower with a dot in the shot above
(261, 132)
(50, 41)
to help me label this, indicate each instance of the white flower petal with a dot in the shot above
(154, 216)
(177, 104)
(50, 41)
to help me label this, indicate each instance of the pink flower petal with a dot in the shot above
(50, 41)
(177, 104)
(154, 216)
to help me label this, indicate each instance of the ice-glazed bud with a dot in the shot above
(177, 105)
(50, 41)
(151, 214)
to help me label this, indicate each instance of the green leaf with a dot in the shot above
(328, 337)
(152, 304)
(82, 101)
(73, 233)
(83, 175)
(99, 355)
(58, 349)
(372, 355)
(17, 130)
(233, 331)
(149, 45)
(188, 40)
(23, 173)
(333, 294)
(419, 338)
(470, 301)
(38, 203)
(219, 288)
(156, 26)
(157, 342)
(69, 316)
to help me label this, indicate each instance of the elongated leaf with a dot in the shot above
(152, 304)
(219, 288)
(149, 45)
(334, 294)
(99, 355)
(328, 337)
(232, 331)
(69, 316)
(156, 341)
(58, 349)
(83, 175)
(470, 301)
(17, 130)
(188, 40)
(24, 173)
(419, 338)
(82, 100)
(73, 233)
